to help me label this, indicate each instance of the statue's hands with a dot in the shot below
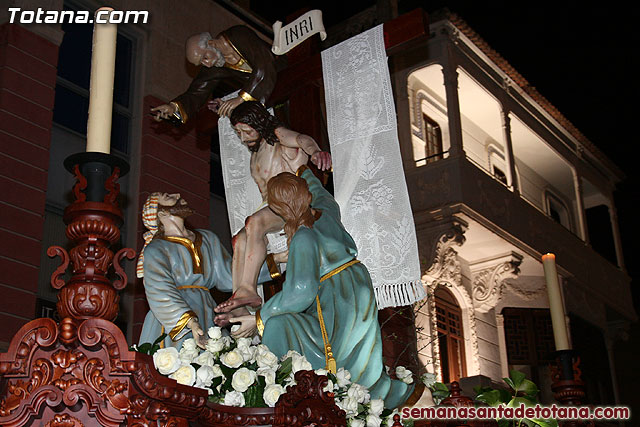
(163, 112)
(322, 160)
(198, 333)
(281, 257)
(214, 105)
(248, 326)
(226, 107)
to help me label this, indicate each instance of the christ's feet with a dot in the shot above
(222, 319)
(237, 301)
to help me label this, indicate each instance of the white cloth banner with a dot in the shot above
(291, 35)
(368, 176)
(242, 193)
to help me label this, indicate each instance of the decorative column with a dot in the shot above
(502, 346)
(613, 214)
(449, 69)
(511, 159)
(582, 222)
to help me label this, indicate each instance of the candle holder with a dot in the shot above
(93, 225)
(567, 385)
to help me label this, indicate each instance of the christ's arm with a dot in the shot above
(292, 139)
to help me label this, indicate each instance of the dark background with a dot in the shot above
(581, 56)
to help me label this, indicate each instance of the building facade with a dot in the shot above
(497, 177)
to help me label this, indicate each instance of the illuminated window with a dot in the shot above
(557, 210)
(433, 139)
(498, 165)
(450, 336)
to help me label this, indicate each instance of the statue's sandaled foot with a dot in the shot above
(235, 301)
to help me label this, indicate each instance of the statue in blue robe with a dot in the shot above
(178, 274)
(322, 262)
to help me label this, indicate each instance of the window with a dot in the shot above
(557, 210)
(72, 85)
(433, 139)
(530, 345)
(450, 336)
(497, 164)
(529, 336)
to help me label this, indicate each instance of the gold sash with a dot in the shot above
(328, 353)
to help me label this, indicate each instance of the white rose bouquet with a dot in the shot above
(241, 372)
(355, 400)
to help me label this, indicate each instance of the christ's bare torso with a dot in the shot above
(270, 160)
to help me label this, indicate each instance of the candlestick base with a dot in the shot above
(567, 385)
(96, 168)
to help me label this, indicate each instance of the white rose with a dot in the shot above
(242, 379)
(404, 374)
(359, 393)
(373, 420)
(215, 332)
(266, 358)
(185, 374)
(272, 393)
(226, 341)
(189, 344)
(217, 372)
(329, 387)
(235, 328)
(321, 372)
(376, 406)
(350, 406)
(166, 360)
(205, 375)
(234, 398)
(290, 353)
(232, 359)
(243, 342)
(428, 379)
(187, 356)
(248, 353)
(214, 345)
(268, 373)
(356, 422)
(343, 377)
(300, 363)
(205, 359)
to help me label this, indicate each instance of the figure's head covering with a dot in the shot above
(150, 221)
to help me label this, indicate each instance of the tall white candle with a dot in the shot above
(555, 302)
(103, 64)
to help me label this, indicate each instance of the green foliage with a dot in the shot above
(522, 392)
(439, 392)
(149, 348)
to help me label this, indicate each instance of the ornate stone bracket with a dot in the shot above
(438, 258)
(489, 278)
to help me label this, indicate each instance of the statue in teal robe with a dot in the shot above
(347, 300)
(178, 276)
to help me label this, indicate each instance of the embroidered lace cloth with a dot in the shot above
(368, 176)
